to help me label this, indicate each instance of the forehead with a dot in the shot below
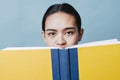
(59, 21)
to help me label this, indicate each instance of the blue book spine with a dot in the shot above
(74, 74)
(55, 64)
(64, 64)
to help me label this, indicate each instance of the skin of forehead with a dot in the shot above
(61, 16)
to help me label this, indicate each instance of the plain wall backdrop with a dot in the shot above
(20, 20)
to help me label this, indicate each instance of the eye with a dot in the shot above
(69, 33)
(52, 34)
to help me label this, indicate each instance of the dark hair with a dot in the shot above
(65, 7)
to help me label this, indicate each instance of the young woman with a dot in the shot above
(61, 26)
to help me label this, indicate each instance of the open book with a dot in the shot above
(98, 60)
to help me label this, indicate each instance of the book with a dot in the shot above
(89, 61)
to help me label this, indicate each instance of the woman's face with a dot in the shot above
(61, 30)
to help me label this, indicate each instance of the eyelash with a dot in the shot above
(69, 33)
(51, 34)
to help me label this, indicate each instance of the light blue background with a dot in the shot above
(20, 20)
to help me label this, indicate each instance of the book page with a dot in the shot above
(97, 43)
(29, 48)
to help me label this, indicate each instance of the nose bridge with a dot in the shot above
(60, 38)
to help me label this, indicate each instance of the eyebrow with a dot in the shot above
(64, 29)
(70, 28)
(50, 30)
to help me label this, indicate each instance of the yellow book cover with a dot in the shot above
(99, 62)
(25, 65)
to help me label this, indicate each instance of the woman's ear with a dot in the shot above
(81, 34)
(43, 35)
